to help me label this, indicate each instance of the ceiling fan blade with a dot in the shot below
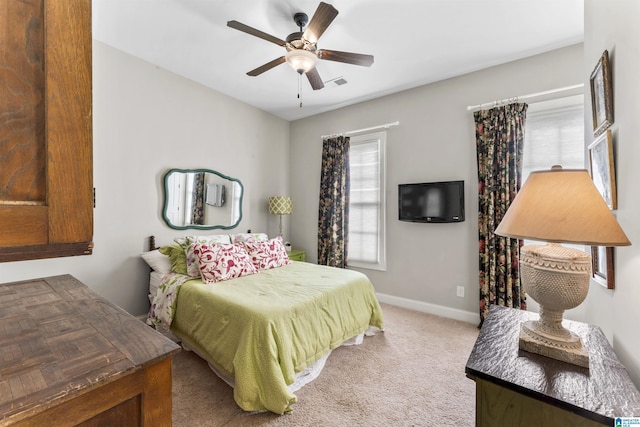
(346, 57)
(250, 30)
(266, 67)
(322, 18)
(314, 79)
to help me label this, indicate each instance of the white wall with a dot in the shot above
(146, 121)
(434, 142)
(613, 25)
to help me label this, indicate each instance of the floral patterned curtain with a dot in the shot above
(197, 199)
(333, 213)
(499, 142)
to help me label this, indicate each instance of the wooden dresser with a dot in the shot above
(518, 388)
(70, 357)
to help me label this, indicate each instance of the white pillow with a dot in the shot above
(157, 261)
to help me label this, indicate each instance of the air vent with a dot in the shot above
(338, 81)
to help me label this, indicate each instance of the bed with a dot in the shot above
(267, 333)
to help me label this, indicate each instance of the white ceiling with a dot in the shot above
(414, 42)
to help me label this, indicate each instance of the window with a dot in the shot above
(554, 135)
(367, 201)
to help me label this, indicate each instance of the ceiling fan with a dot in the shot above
(302, 53)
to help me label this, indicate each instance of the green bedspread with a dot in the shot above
(262, 329)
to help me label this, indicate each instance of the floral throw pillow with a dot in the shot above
(193, 269)
(222, 261)
(267, 254)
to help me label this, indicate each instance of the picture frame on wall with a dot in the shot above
(602, 266)
(603, 168)
(601, 95)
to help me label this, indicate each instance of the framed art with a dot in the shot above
(603, 170)
(602, 266)
(601, 95)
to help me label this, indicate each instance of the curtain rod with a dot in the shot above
(351, 132)
(517, 98)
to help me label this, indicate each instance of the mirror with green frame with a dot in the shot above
(202, 199)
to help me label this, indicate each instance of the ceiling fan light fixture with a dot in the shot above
(301, 60)
(302, 53)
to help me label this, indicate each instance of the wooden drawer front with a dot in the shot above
(500, 407)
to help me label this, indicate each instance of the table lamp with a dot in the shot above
(280, 205)
(558, 206)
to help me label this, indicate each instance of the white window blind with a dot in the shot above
(367, 201)
(554, 135)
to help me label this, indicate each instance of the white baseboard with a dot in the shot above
(425, 307)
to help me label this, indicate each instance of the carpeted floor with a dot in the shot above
(410, 375)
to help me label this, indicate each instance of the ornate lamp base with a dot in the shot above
(558, 279)
(567, 348)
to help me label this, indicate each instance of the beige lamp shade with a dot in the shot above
(280, 205)
(562, 205)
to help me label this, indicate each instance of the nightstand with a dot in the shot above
(297, 255)
(515, 388)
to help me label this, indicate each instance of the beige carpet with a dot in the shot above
(410, 375)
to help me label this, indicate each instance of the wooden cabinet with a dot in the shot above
(297, 255)
(70, 357)
(517, 388)
(46, 182)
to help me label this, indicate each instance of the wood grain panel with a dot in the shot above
(157, 389)
(125, 414)
(19, 253)
(22, 110)
(45, 129)
(69, 121)
(87, 408)
(23, 225)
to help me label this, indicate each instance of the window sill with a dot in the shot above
(367, 266)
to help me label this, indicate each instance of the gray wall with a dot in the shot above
(146, 121)
(435, 141)
(613, 25)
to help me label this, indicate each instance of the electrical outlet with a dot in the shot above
(460, 291)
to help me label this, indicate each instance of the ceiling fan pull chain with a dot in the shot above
(300, 88)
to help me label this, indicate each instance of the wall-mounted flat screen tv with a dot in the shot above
(431, 202)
